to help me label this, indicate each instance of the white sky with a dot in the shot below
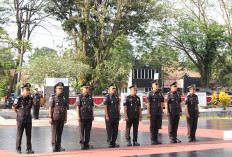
(54, 37)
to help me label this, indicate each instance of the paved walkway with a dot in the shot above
(211, 133)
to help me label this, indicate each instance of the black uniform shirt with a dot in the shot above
(36, 99)
(112, 102)
(173, 99)
(192, 102)
(58, 105)
(85, 103)
(155, 98)
(23, 105)
(132, 103)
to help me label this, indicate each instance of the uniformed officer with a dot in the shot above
(112, 115)
(22, 106)
(133, 114)
(58, 116)
(36, 100)
(192, 113)
(85, 115)
(173, 111)
(155, 112)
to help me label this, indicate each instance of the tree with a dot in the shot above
(94, 26)
(28, 15)
(222, 74)
(116, 68)
(3, 16)
(6, 63)
(40, 52)
(54, 65)
(195, 34)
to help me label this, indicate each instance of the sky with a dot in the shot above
(53, 37)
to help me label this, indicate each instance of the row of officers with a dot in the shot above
(132, 109)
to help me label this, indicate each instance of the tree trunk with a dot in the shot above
(19, 73)
(205, 74)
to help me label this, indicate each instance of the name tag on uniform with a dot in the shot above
(62, 109)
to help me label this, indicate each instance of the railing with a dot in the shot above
(98, 100)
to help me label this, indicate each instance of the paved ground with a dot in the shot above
(211, 133)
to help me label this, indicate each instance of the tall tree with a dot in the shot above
(95, 25)
(195, 34)
(28, 14)
(6, 63)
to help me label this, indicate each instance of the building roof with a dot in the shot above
(177, 75)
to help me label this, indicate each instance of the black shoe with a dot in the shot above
(158, 142)
(30, 151)
(190, 140)
(87, 146)
(19, 151)
(55, 149)
(177, 141)
(136, 144)
(116, 145)
(111, 145)
(195, 140)
(82, 146)
(61, 149)
(173, 141)
(129, 143)
(154, 142)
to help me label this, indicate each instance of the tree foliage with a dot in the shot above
(198, 36)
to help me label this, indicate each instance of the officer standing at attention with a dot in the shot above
(173, 112)
(36, 100)
(112, 115)
(22, 107)
(192, 113)
(58, 116)
(85, 115)
(133, 114)
(155, 112)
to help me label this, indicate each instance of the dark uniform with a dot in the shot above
(85, 104)
(36, 107)
(133, 104)
(23, 106)
(173, 100)
(112, 102)
(192, 102)
(155, 98)
(59, 116)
